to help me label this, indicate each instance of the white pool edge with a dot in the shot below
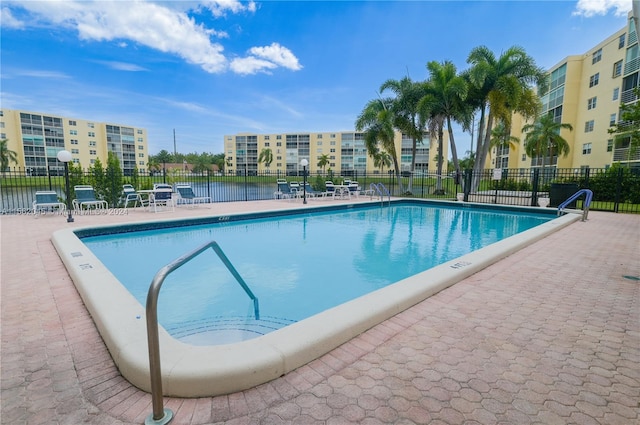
(196, 371)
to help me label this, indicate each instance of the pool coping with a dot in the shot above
(194, 371)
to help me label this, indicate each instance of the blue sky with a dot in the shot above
(212, 68)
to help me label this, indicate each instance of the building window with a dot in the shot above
(140, 140)
(76, 151)
(332, 150)
(90, 125)
(73, 132)
(76, 160)
(621, 41)
(588, 126)
(332, 143)
(616, 93)
(92, 134)
(140, 162)
(140, 147)
(93, 152)
(139, 131)
(140, 155)
(92, 143)
(267, 144)
(93, 161)
(524, 157)
(74, 141)
(591, 103)
(612, 120)
(617, 69)
(593, 80)
(279, 137)
(597, 55)
(609, 145)
(278, 143)
(72, 122)
(586, 148)
(333, 136)
(319, 136)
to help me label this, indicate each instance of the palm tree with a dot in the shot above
(323, 161)
(499, 87)
(377, 122)
(406, 117)
(446, 93)
(501, 137)
(266, 157)
(381, 159)
(543, 138)
(6, 155)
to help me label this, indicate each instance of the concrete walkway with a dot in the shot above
(550, 335)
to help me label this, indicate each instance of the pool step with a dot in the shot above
(225, 330)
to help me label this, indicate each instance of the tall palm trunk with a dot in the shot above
(454, 151)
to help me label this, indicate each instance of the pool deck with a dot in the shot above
(549, 335)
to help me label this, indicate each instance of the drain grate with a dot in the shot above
(631, 277)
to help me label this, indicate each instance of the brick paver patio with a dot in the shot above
(550, 335)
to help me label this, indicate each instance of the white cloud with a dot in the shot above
(589, 8)
(251, 65)
(50, 75)
(277, 54)
(122, 66)
(263, 59)
(8, 20)
(164, 26)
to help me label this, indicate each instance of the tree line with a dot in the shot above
(493, 87)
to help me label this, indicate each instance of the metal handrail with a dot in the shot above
(161, 416)
(588, 195)
(381, 190)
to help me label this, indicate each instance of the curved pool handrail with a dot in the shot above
(588, 195)
(381, 190)
(161, 416)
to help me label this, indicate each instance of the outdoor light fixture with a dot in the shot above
(304, 164)
(65, 157)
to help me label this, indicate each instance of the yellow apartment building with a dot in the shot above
(37, 138)
(345, 151)
(586, 91)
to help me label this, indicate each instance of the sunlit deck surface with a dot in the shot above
(549, 335)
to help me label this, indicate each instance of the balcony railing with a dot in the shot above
(626, 154)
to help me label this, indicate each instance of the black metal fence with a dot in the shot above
(615, 189)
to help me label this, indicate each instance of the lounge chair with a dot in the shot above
(86, 199)
(161, 197)
(283, 192)
(330, 189)
(129, 194)
(47, 201)
(354, 190)
(188, 197)
(295, 189)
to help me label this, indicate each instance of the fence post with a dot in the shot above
(535, 183)
(616, 204)
(209, 185)
(467, 184)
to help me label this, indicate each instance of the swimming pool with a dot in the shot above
(190, 370)
(297, 266)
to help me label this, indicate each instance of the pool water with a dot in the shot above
(296, 265)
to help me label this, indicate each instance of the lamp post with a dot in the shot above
(304, 164)
(65, 157)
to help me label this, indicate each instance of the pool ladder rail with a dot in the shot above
(160, 415)
(379, 189)
(588, 196)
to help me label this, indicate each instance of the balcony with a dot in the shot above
(626, 154)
